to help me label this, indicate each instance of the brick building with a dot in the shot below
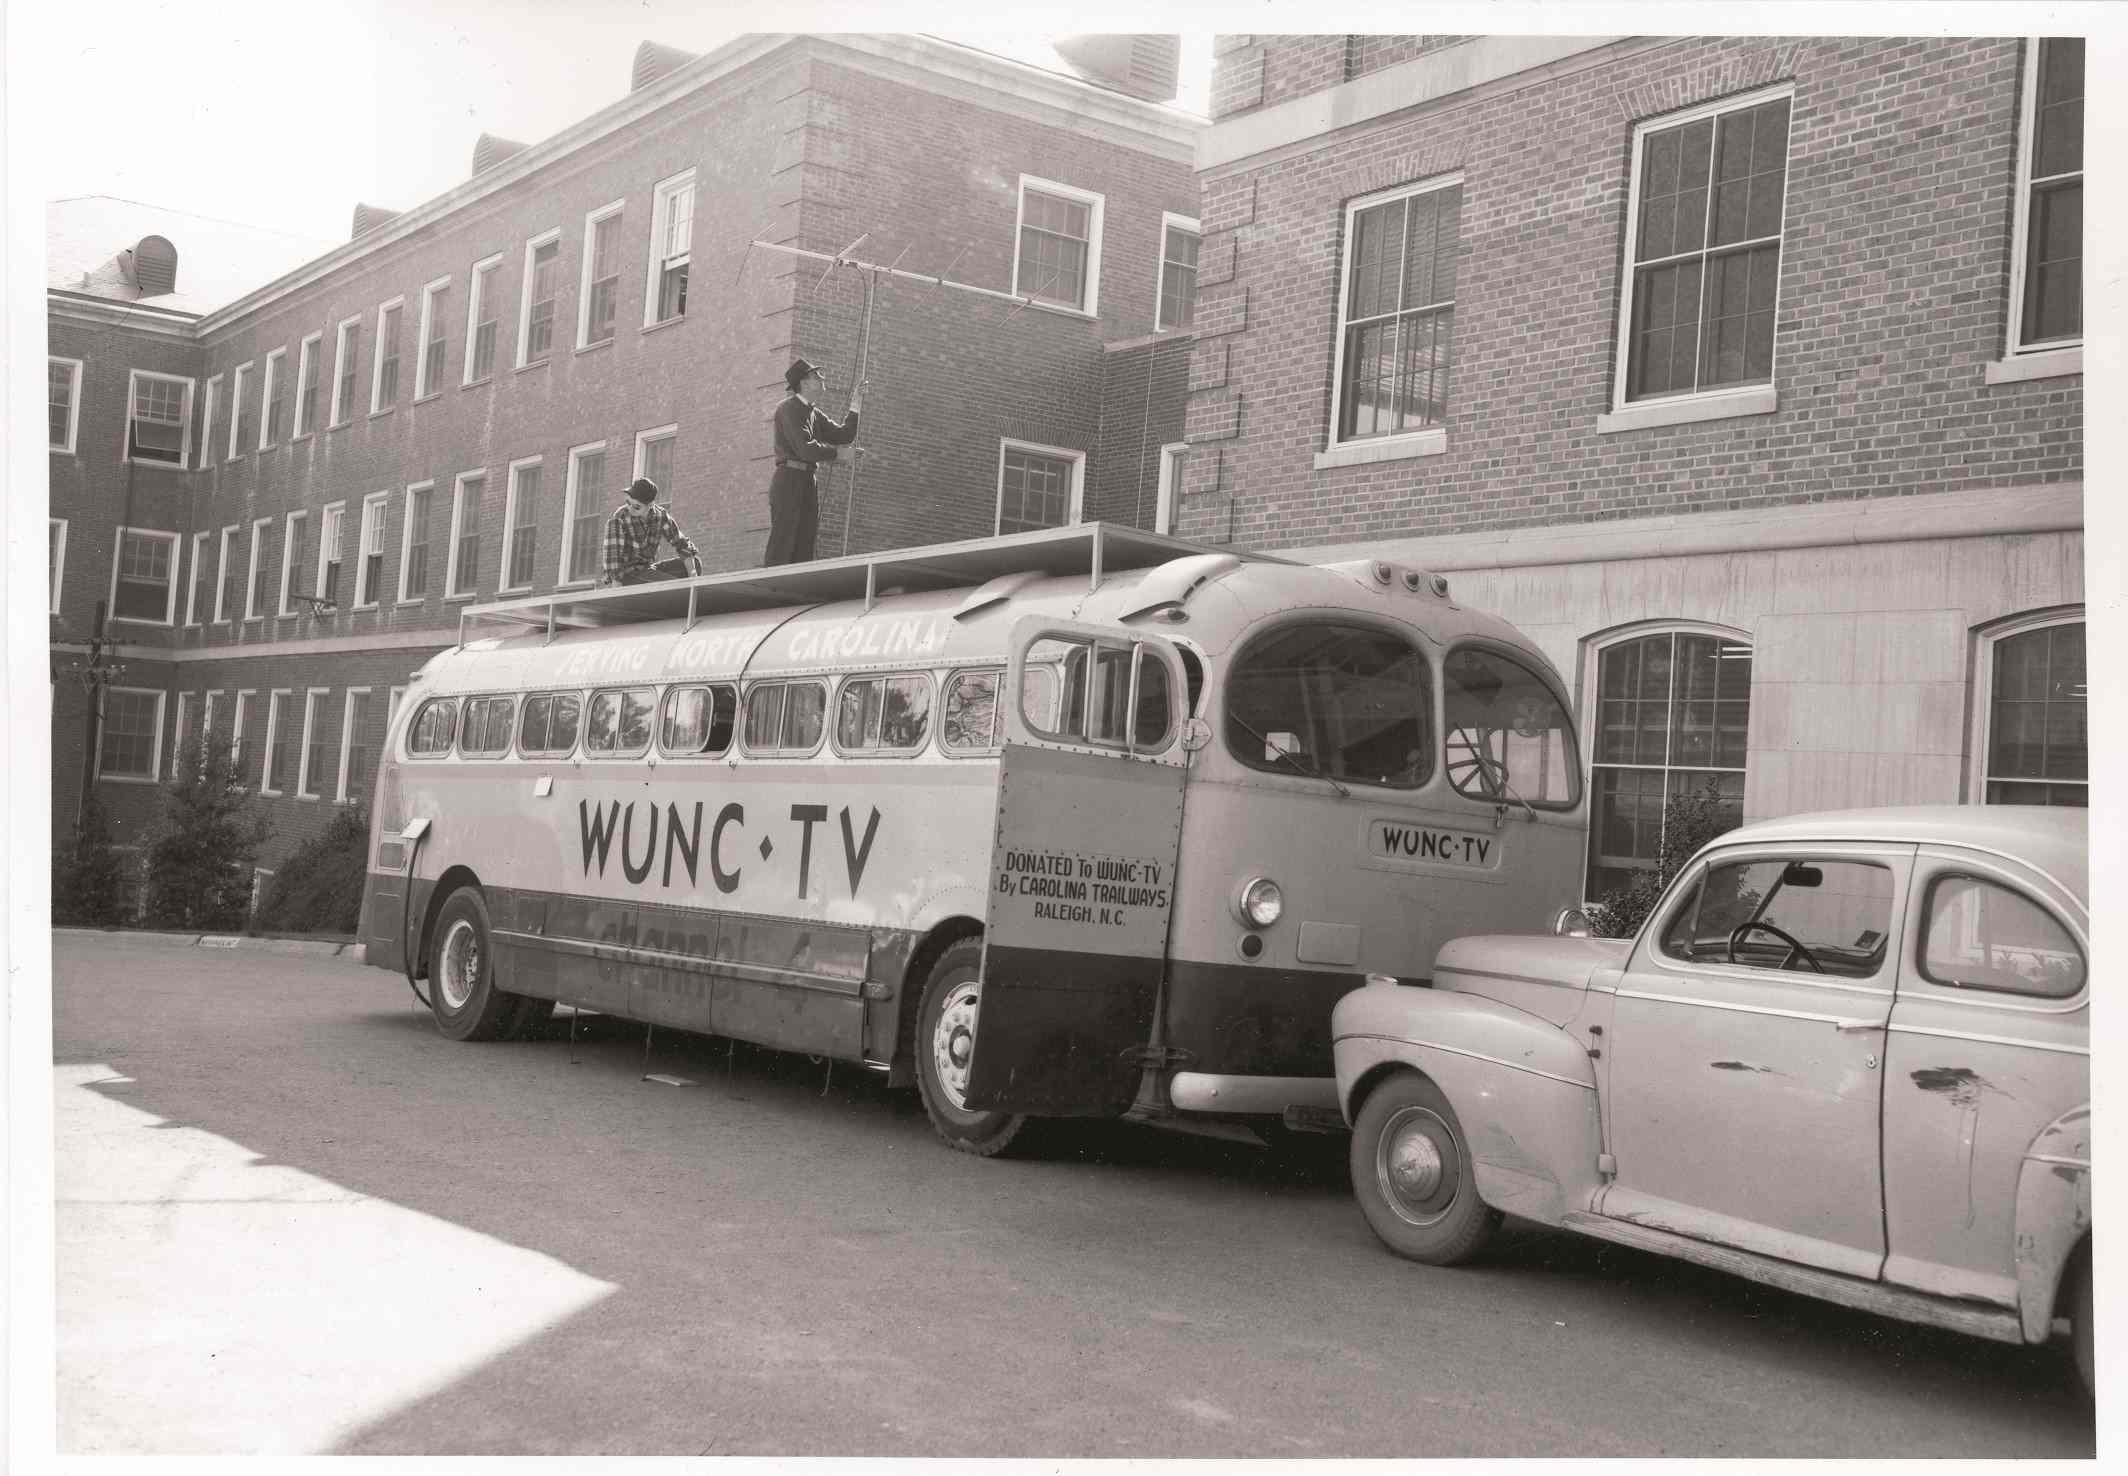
(279, 494)
(1744, 374)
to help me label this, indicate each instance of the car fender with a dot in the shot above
(2053, 1215)
(1523, 1091)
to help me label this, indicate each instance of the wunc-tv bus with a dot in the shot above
(1086, 822)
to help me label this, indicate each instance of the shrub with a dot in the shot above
(319, 888)
(199, 869)
(87, 886)
(1692, 818)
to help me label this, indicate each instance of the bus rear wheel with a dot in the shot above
(945, 1043)
(468, 1003)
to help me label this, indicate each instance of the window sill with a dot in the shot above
(535, 364)
(380, 414)
(471, 594)
(2047, 364)
(431, 395)
(265, 793)
(1398, 448)
(358, 609)
(477, 383)
(127, 779)
(664, 323)
(1062, 310)
(61, 450)
(515, 589)
(414, 603)
(309, 798)
(136, 620)
(576, 584)
(592, 348)
(1759, 399)
(299, 436)
(339, 425)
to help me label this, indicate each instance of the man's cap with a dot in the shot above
(642, 489)
(800, 371)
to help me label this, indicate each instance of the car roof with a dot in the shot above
(2053, 838)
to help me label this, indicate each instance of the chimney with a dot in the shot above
(653, 61)
(369, 217)
(154, 266)
(490, 150)
(1147, 67)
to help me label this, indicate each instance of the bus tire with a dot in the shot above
(1413, 1177)
(462, 989)
(945, 1040)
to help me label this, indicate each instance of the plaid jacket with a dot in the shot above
(633, 534)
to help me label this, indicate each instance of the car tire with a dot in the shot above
(467, 1002)
(1413, 1176)
(2077, 1302)
(945, 1042)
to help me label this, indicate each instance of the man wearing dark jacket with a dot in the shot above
(804, 437)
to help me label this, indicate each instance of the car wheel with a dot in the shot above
(1412, 1174)
(462, 989)
(945, 1043)
(2078, 1302)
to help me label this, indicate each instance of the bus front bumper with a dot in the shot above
(1263, 1096)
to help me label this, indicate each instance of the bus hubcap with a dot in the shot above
(953, 1040)
(1416, 1165)
(461, 965)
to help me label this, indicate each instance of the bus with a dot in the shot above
(1144, 809)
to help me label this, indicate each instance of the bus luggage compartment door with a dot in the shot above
(1082, 879)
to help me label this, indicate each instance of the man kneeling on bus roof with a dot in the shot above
(633, 533)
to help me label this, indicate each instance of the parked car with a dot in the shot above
(1848, 1055)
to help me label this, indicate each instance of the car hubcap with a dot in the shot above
(460, 969)
(953, 1040)
(1416, 1163)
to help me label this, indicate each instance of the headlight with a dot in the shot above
(1572, 922)
(1260, 902)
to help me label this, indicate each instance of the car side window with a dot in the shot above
(1982, 935)
(1795, 914)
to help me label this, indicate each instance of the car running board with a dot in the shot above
(2000, 1324)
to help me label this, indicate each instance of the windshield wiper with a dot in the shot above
(1298, 759)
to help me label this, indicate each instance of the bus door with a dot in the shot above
(1082, 874)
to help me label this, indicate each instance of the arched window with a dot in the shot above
(2031, 746)
(1668, 719)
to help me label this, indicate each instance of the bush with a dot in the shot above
(87, 886)
(1692, 818)
(199, 869)
(319, 888)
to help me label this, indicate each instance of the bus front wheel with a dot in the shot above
(462, 989)
(945, 1043)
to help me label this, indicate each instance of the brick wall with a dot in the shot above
(1141, 410)
(1894, 288)
(1259, 71)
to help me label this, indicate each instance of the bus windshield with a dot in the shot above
(1334, 700)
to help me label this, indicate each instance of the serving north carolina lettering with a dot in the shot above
(917, 637)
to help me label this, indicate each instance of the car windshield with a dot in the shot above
(1795, 913)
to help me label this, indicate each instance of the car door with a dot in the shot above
(1989, 1045)
(1745, 1089)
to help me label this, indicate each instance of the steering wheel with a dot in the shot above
(1795, 950)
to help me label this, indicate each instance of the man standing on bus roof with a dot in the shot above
(805, 436)
(633, 533)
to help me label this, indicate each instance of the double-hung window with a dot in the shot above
(63, 403)
(656, 453)
(465, 534)
(54, 562)
(239, 722)
(356, 748)
(384, 373)
(200, 598)
(584, 514)
(279, 724)
(414, 543)
(273, 396)
(672, 235)
(435, 338)
(307, 386)
(226, 577)
(535, 313)
(345, 344)
(520, 524)
(1703, 254)
(1179, 238)
(292, 556)
(1038, 486)
(260, 580)
(599, 292)
(2034, 745)
(131, 738)
(369, 574)
(317, 746)
(239, 411)
(2049, 246)
(1671, 717)
(1059, 257)
(1398, 310)
(213, 402)
(159, 418)
(328, 587)
(480, 320)
(144, 576)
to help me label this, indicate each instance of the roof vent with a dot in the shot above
(155, 266)
(653, 61)
(369, 217)
(1147, 67)
(490, 150)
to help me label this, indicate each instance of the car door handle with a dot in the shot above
(1857, 1027)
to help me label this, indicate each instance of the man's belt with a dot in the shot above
(803, 465)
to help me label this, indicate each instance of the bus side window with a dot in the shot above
(547, 724)
(785, 717)
(883, 713)
(1097, 710)
(619, 721)
(1507, 733)
(969, 723)
(433, 727)
(1192, 679)
(697, 720)
(487, 727)
(1055, 703)
(1155, 716)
